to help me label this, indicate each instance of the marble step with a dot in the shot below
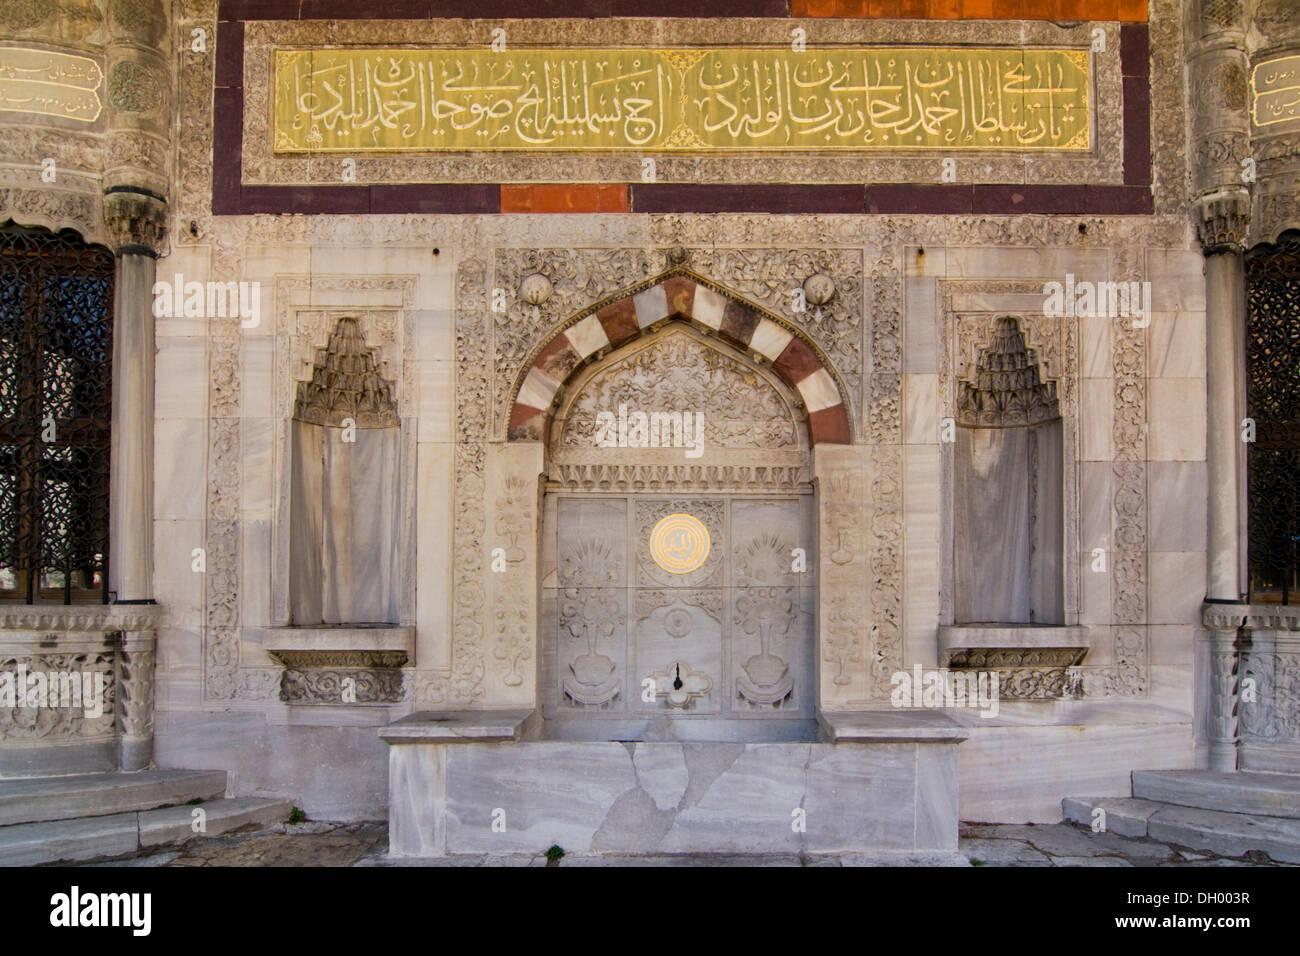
(121, 834)
(37, 799)
(1264, 794)
(1124, 815)
(1215, 831)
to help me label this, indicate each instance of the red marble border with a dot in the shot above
(231, 197)
(1127, 10)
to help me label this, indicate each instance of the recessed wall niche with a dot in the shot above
(344, 488)
(1007, 489)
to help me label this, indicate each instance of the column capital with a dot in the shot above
(136, 220)
(1223, 219)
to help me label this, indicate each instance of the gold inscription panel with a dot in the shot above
(1277, 90)
(49, 84)
(958, 98)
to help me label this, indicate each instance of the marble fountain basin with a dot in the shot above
(473, 782)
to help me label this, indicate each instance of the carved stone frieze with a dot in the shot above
(55, 209)
(993, 658)
(676, 477)
(513, 628)
(331, 686)
(1272, 712)
(336, 659)
(43, 722)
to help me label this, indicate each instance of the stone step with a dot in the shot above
(1124, 815)
(1262, 794)
(37, 799)
(1227, 834)
(1215, 831)
(121, 834)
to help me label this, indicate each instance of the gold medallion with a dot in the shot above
(679, 543)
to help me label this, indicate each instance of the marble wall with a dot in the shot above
(914, 299)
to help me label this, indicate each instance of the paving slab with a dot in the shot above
(1075, 841)
(1000, 852)
(1089, 861)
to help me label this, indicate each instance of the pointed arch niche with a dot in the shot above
(345, 449)
(1008, 489)
(680, 296)
(1007, 531)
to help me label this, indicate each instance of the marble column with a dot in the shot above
(1223, 217)
(1223, 222)
(135, 221)
(1218, 87)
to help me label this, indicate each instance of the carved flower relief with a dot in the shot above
(841, 646)
(24, 14)
(137, 15)
(1275, 14)
(512, 518)
(132, 88)
(592, 564)
(765, 560)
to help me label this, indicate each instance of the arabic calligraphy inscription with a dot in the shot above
(703, 100)
(50, 84)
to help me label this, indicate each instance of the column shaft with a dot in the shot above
(130, 564)
(1225, 321)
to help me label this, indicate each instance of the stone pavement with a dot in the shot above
(365, 844)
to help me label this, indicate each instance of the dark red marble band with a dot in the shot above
(494, 9)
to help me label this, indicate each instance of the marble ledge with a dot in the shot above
(1256, 617)
(460, 726)
(890, 726)
(382, 637)
(39, 619)
(1029, 636)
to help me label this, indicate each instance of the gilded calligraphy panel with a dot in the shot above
(681, 100)
(1277, 90)
(50, 84)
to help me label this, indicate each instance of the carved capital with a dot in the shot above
(136, 221)
(1223, 219)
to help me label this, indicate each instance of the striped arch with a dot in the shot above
(680, 296)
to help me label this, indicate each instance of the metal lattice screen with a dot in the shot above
(56, 321)
(1273, 401)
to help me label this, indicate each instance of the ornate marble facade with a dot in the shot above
(470, 316)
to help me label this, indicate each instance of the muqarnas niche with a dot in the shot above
(1008, 507)
(346, 441)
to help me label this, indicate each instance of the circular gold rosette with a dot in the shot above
(679, 543)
